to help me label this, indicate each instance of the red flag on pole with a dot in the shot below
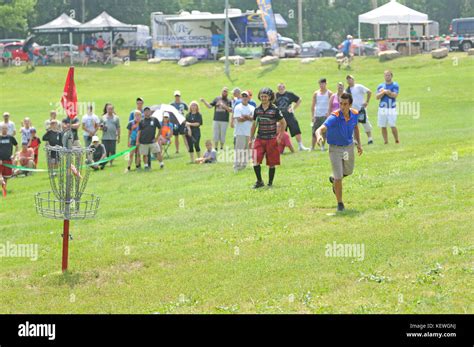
(69, 98)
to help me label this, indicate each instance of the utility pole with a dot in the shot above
(227, 67)
(376, 26)
(300, 22)
(83, 16)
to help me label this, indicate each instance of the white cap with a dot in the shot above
(95, 139)
(177, 93)
(349, 37)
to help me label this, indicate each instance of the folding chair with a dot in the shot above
(166, 146)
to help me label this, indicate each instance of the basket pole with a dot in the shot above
(65, 244)
(67, 211)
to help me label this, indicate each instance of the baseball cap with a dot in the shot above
(95, 138)
(147, 108)
(349, 76)
(245, 93)
(177, 93)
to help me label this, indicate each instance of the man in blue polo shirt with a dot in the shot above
(341, 127)
(387, 93)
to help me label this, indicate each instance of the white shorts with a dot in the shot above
(367, 126)
(387, 117)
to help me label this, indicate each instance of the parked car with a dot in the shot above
(61, 52)
(318, 49)
(17, 51)
(462, 34)
(365, 48)
(6, 41)
(288, 47)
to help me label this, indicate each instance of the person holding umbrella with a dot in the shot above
(194, 122)
(166, 132)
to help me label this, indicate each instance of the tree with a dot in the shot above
(14, 15)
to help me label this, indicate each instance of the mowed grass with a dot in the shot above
(197, 239)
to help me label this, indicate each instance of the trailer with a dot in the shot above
(204, 30)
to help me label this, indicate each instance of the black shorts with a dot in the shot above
(318, 121)
(180, 130)
(110, 147)
(293, 125)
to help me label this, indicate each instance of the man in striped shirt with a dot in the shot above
(265, 118)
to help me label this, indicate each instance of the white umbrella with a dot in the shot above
(175, 116)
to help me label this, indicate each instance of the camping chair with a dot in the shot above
(166, 146)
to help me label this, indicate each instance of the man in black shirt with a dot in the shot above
(223, 106)
(265, 118)
(7, 143)
(285, 101)
(148, 137)
(53, 137)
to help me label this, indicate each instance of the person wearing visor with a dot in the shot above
(98, 154)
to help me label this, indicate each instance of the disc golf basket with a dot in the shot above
(68, 175)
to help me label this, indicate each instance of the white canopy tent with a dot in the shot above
(62, 24)
(105, 22)
(393, 13)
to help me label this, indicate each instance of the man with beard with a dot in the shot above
(288, 102)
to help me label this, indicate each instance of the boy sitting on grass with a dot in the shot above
(210, 156)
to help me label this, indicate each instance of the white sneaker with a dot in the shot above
(323, 149)
(162, 165)
(303, 148)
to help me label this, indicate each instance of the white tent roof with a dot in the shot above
(393, 12)
(63, 23)
(105, 22)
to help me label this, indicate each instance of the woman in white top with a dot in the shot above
(320, 109)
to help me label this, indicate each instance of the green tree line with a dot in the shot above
(329, 20)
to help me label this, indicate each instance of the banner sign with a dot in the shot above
(168, 53)
(268, 18)
(200, 53)
(249, 52)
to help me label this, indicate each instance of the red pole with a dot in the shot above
(65, 243)
(4, 187)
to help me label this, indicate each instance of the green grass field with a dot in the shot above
(197, 239)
